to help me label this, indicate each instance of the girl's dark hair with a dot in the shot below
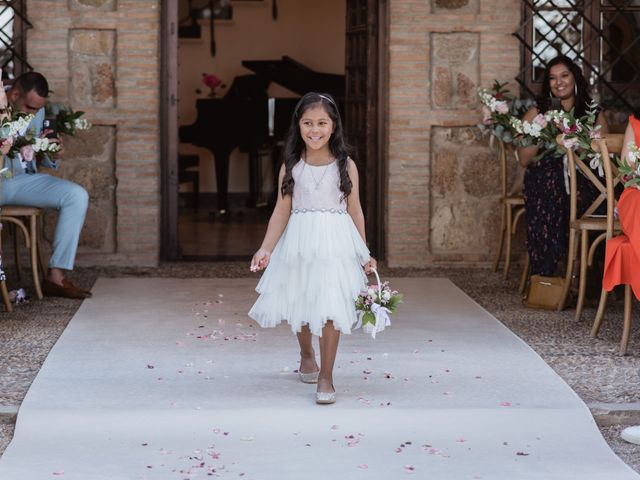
(582, 97)
(294, 145)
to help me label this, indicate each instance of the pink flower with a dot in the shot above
(486, 115)
(540, 120)
(211, 81)
(569, 143)
(502, 107)
(27, 153)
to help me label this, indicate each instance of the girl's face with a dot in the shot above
(316, 127)
(561, 82)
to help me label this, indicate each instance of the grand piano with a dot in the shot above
(247, 119)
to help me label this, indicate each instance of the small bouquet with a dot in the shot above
(374, 305)
(629, 168)
(541, 131)
(499, 107)
(63, 120)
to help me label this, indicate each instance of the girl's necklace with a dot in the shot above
(317, 182)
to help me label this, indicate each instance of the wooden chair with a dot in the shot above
(590, 221)
(613, 227)
(512, 207)
(14, 215)
(5, 292)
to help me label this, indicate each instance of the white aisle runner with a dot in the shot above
(169, 379)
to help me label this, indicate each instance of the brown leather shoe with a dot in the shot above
(68, 284)
(51, 289)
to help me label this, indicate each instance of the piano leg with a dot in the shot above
(221, 161)
(254, 178)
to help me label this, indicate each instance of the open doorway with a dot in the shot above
(228, 102)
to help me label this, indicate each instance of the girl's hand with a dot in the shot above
(260, 260)
(370, 265)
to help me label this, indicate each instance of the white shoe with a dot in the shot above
(325, 398)
(309, 377)
(631, 434)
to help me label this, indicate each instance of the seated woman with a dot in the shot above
(622, 262)
(545, 195)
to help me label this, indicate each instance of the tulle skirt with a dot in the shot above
(314, 275)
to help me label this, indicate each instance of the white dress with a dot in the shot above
(315, 272)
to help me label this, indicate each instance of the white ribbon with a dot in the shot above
(380, 313)
(597, 164)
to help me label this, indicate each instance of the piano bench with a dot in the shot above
(185, 174)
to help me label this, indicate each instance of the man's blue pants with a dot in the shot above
(48, 192)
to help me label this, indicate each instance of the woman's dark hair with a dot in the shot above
(294, 145)
(582, 97)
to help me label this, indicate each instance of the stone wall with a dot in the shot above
(102, 57)
(442, 183)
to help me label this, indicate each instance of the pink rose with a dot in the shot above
(569, 143)
(27, 153)
(502, 107)
(486, 115)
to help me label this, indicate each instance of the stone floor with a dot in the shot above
(605, 380)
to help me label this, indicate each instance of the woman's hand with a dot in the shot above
(370, 265)
(260, 260)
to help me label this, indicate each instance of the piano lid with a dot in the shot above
(297, 77)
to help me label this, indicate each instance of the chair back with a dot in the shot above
(505, 151)
(608, 144)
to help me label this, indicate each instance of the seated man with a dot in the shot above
(28, 94)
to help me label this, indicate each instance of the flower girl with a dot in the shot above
(314, 250)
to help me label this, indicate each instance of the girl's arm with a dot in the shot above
(628, 138)
(526, 154)
(277, 224)
(354, 208)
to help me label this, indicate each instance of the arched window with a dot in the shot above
(601, 35)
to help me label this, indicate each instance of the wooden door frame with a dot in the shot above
(382, 154)
(169, 245)
(376, 188)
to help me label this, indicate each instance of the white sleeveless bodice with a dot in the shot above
(317, 188)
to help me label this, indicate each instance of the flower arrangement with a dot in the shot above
(499, 107)
(374, 305)
(30, 147)
(541, 131)
(629, 168)
(578, 133)
(65, 120)
(212, 82)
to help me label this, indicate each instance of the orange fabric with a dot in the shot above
(622, 258)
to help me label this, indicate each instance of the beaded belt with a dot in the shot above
(324, 210)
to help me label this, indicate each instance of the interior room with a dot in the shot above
(229, 155)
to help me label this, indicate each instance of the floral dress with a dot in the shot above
(547, 212)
